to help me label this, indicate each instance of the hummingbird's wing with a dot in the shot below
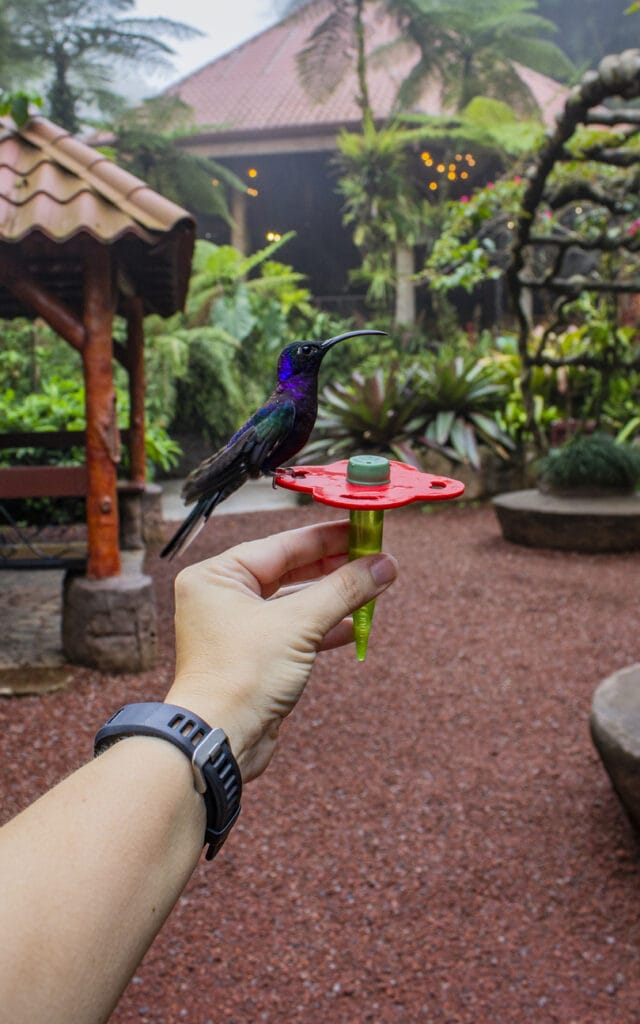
(230, 467)
(242, 457)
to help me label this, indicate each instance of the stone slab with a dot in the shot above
(589, 524)
(615, 730)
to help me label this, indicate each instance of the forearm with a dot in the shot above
(89, 874)
(93, 868)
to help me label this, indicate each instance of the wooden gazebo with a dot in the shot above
(81, 240)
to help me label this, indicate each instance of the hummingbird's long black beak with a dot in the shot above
(350, 334)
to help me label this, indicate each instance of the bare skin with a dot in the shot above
(92, 869)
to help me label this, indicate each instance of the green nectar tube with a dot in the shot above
(365, 533)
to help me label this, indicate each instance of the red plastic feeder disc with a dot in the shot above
(329, 486)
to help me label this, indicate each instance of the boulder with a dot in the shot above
(615, 730)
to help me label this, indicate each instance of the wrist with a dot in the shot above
(222, 709)
(215, 773)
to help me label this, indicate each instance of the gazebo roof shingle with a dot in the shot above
(55, 190)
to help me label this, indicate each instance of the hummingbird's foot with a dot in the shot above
(290, 470)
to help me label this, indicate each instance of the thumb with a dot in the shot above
(330, 599)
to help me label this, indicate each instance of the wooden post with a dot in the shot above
(135, 366)
(103, 442)
(405, 311)
(239, 226)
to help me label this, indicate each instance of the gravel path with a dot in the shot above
(436, 839)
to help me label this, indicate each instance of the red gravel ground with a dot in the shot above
(436, 839)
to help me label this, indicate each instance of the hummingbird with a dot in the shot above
(269, 438)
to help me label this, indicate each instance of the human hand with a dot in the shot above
(242, 658)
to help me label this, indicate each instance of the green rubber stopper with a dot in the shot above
(368, 470)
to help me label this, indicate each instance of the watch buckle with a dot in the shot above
(205, 751)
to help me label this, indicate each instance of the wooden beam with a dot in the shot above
(103, 443)
(135, 366)
(43, 482)
(57, 440)
(16, 278)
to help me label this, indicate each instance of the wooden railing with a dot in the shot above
(45, 481)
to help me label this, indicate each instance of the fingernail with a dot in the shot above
(384, 570)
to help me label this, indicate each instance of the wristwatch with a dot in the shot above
(215, 771)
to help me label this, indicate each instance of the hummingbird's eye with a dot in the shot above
(305, 349)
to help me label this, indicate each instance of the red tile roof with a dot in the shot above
(55, 189)
(255, 90)
(73, 188)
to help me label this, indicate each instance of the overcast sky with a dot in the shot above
(225, 22)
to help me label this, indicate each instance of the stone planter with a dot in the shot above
(590, 524)
(615, 730)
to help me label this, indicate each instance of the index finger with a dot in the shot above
(292, 556)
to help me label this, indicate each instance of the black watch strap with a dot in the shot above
(215, 771)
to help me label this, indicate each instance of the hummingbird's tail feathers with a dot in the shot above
(188, 530)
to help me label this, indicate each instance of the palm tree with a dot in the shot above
(471, 48)
(330, 51)
(75, 47)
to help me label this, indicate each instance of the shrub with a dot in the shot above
(594, 462)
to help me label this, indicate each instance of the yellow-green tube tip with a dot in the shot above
(361, 648)
(362, 627)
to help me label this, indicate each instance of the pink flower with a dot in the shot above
(464, 199)
(489, 184)
(517, 179)
(635, 227)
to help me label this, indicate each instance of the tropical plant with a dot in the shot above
(241, 310)
(460, 397)
(17, 105)
(146, 143)
(72, 47)
(382, 201)
(322, 64)
(451, 401)
(41, 389)
(392, 205)
(473, 244)
(591, 462)
(575, 234)
(211, 396)
(471, 49)
(596, 352)
(620, 410)
(590, 29)
(377, 413)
